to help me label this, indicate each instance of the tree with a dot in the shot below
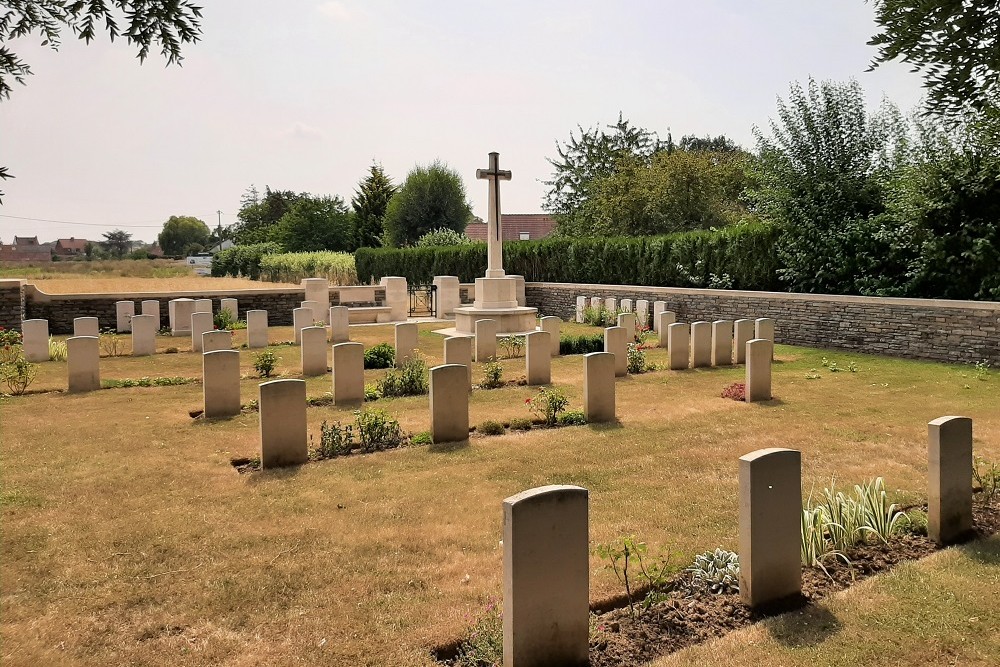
(117, 242)
(431, 198)
(823, 176)
(165, 23)
(594, 154)
(370, 202)
(182, 232)
(955, 43)
(316, 223)
(258, 216)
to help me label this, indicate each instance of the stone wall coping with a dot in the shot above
(10, 283)
(42, 297)
(795, 296)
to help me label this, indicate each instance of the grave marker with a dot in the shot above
(616, 342)
(35, 340)
(180, 311)
(85, 326)
(215, 340)
(658, 307)
(626, 305)
(220, 376)
(627, 321)
(340, 324)
(201, 322)
(124, 310)
(151, 307)
(301, 318)
(949, 479)
(458, 351)
(742, 332)
(406, 342)
(599, 387)
(758, 370)
(83, 357)
(678, 342)
(231, 306)
(282, 409)
(143, 335)
(764, 328)
(313, 351)
(203, 305)
(449, 403)
(642, 312)
(552, 325)
(701, 344)
(348, 373)
(486, 340)
(317, 290)
(664, 319)
(256, 329)
(581, 305)
(722, 343)
(538, 357)
(611, 305)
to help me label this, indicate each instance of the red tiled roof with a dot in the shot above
(72, 244)
(537, 225)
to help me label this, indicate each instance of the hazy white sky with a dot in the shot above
(304, 94)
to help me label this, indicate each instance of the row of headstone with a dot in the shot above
(125, 311)
(546, 566)
(640, 308)
(701, 344)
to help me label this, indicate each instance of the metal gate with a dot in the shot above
(422, 300)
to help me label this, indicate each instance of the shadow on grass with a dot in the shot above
(448, 447)
(273, 474)
(606, 426)
(809, 626)
(773, 403)
(985, 551)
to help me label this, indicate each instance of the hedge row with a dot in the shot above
(242, 260)
(292, 267)
(739, 257)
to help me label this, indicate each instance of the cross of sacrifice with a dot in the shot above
(494, 175)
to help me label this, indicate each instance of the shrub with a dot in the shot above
(409, 380)
(493, 375)
(111, 343)
(422, 438)
(146, 381)
(224, 320)
(581, 344)
(511, 346)
(9, 337)
(443, 237)
(548, 403)
(986, 479)
(264, 362)
(520, 424)
(382, 355)
(372, 392)
(242, 260)
(636, 356)
(335, 440)
(599, 317)
(18, 374)
(377, 431)
(292, 267)
(715, 572)
(490, 427)
(736, 391)
(572, 418)
(58, 351)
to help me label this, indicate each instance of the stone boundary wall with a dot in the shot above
(11, 304)
(936, 329)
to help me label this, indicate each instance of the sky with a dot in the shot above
(305, 95)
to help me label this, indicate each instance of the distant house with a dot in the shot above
(26, 249)
(70, 247)
(155, 250)
(516, 227)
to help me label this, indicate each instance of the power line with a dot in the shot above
(86, 224)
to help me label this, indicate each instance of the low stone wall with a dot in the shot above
(11, 304)
(954, 331)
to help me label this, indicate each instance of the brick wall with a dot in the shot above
(954, 331)
(11, 304)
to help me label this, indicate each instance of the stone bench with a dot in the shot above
(369, 314)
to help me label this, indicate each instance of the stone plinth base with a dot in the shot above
(509, 320)
(493, 293)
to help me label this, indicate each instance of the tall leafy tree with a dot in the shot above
(315, 223)
(954, 43)
(182, 232)
(431, 198)
(370, 202)
(822, 176)
(117, 242)
(597, 152)
(166, 24)
(259, 215)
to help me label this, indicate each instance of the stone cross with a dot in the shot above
(494, 262)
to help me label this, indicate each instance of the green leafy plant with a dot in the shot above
(264, 362)
(9, 337)
(372, 392)
(58, 350)
(146, 381)
(986, 479)
(511, 346)
(382, 355)
(881, 518)
(600, 316)
(224, 320)
(572, 418)
(916, 522)
(547, 404)
(483, 645)
(490, 427)
(422, 438)
(815, 548)
(622, 555)
(493, 375)
(376, 431)
(409, 380)
(982, 370)
(636, 359)
(18, 374)
(584, 344)
(519, 424)
(334, 440)
(111, 343)
(715, 572)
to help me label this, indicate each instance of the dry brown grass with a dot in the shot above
(129, 539)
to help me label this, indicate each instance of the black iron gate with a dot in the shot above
(422, 300)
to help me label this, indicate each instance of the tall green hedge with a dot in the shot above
(738, 257)
(242, 260)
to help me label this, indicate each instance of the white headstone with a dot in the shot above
(143, 335)
(221, 383)
(256, 329)
(152, 307)
(124, 310)
(340, 324)
(201, 323)
(282, 411)
(35, 340)
(83, 363)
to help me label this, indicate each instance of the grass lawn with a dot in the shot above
(128, 538)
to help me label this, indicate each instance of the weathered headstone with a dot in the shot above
(230, 305)
(124, 310)
(949, 479)
(581, 305)
(201, 322)
(616, 342)
(256, 329)
(758, 370)
(180, 311)
(658, 307)
(301, 318)
(151, 307)
(642, 312)
(406, 342)
(85, 326)
(599, 386)
(742, 332)
(203, 305)
(722, 343)
(35, 340)
(625, 305)
(678, 342)
(282, 409)
(458, 350)
(447, 297)
(220, 378)
(340, 324)
(313, 351)
(627, 321)
(217, 339)
(546, 577)
(764, 328)
(538, 357)
(348, 373)
(552, 325)
(596, 302)
(143, 335)
(770, 525)
(701, 344)
(611, 304)
(449, 403)
(664, 319)
(317, 290)
(319, 314)
(83, 357)
(486, 340)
